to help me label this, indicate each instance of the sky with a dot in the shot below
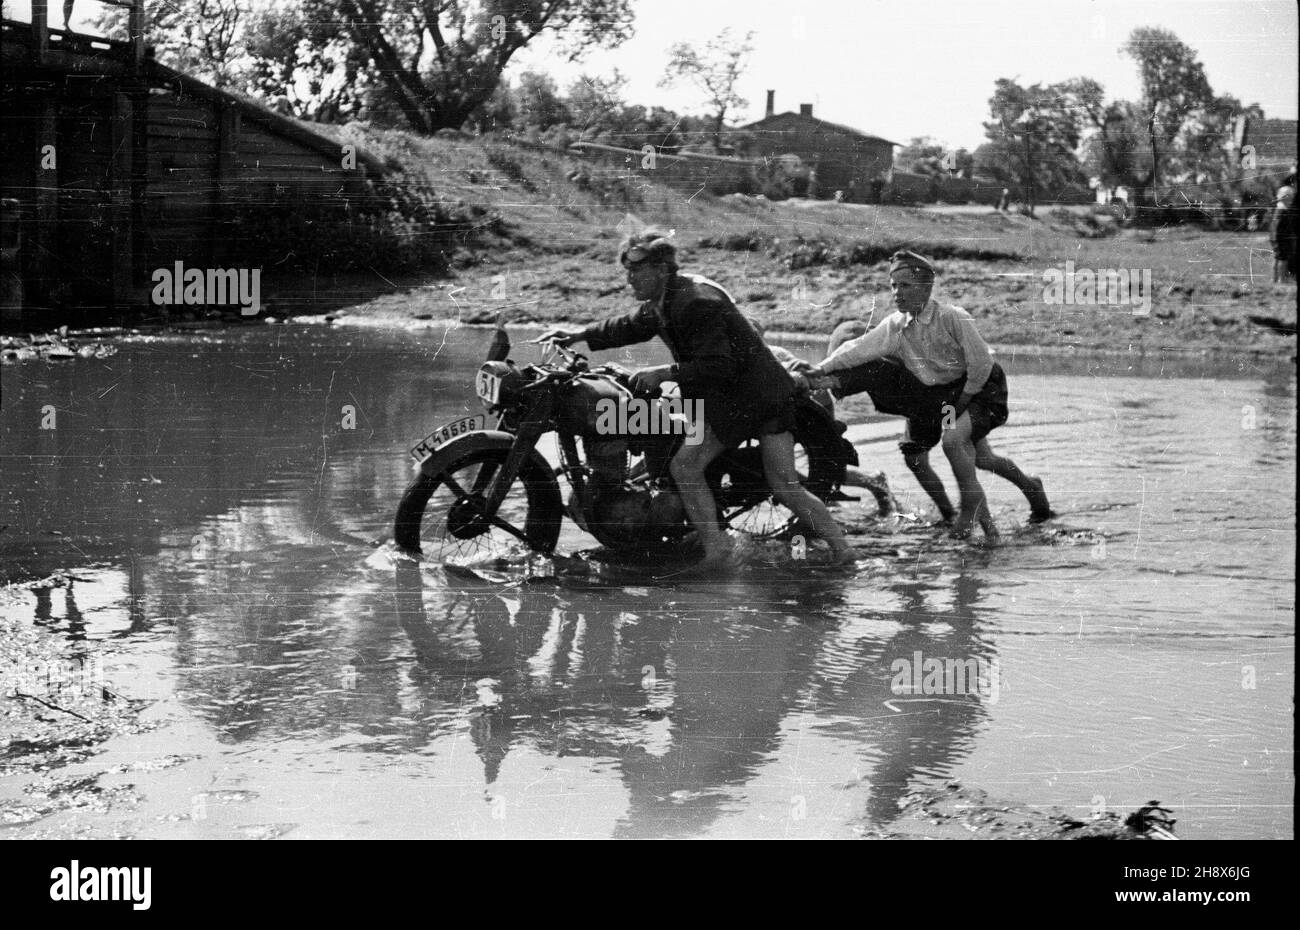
(906, 68)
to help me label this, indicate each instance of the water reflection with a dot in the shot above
(692, 705)
(211, 503)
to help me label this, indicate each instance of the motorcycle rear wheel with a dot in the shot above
(441, 515)
(746, 504)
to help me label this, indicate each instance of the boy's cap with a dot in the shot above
(905, 259)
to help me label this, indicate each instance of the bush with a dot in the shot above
(808, 252)
(400, 225)
(504, 161)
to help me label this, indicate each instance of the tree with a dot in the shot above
(199, 37)
(539, 102)
(924, 155)
(1110, 134)
(1033, 134)
(304, 65)
(1174, 87)
(714, 70)
(441, 60)
(1205, 150)
(498, 112)
(596, 105)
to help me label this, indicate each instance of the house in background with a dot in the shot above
(839, 158)
(1272, 145)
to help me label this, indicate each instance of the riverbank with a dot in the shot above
(536, 235)
(1184, 308)
(803, 266)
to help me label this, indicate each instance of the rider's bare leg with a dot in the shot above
(783, 478)
(919, 464)
(959, 449)
(687, 468)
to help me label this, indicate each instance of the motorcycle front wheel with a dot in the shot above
(442, 515)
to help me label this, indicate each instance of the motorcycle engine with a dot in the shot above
(626, 513)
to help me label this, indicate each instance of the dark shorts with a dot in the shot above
(733, 422)
(988, 410)
(892, 387)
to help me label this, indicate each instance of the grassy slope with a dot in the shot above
(557, 260)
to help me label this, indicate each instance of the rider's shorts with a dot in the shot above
(737, 422)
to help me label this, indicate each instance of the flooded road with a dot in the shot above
(214, 513)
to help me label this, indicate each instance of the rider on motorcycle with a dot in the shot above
(720, 360)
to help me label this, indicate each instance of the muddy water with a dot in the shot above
(220, 535)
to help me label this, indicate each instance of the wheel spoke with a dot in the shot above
(458, 491)
(502, 524)
(455, 487)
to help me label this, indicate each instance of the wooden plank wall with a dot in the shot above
(197, 160)
(181, 142)
(81, 269)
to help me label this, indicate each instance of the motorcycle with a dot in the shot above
(480, 488)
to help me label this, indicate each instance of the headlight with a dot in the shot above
(497, 384)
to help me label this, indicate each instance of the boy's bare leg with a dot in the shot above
(959, 449)
(919, 464)
(687, 468)
(783, 478)
(855, 477)
(1032, 488)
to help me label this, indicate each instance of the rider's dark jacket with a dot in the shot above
(721, 358)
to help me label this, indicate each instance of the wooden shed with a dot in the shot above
(845, 159)
(121, 165)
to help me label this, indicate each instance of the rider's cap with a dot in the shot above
(648, 245)
(918, 263)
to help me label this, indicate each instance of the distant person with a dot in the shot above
(964, 399)
(1282, 233)
(1005, 200)
(67, 14)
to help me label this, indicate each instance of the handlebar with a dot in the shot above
(576, 363)
(575, 360)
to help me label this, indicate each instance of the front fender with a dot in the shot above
(482, 440)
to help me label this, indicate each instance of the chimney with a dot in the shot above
(805, 109)
(771, 103)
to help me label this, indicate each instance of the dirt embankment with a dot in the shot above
(1070, 279)
(956, 812)
(543, 228)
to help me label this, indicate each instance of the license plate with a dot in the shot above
(440, 437)
(488, 386)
